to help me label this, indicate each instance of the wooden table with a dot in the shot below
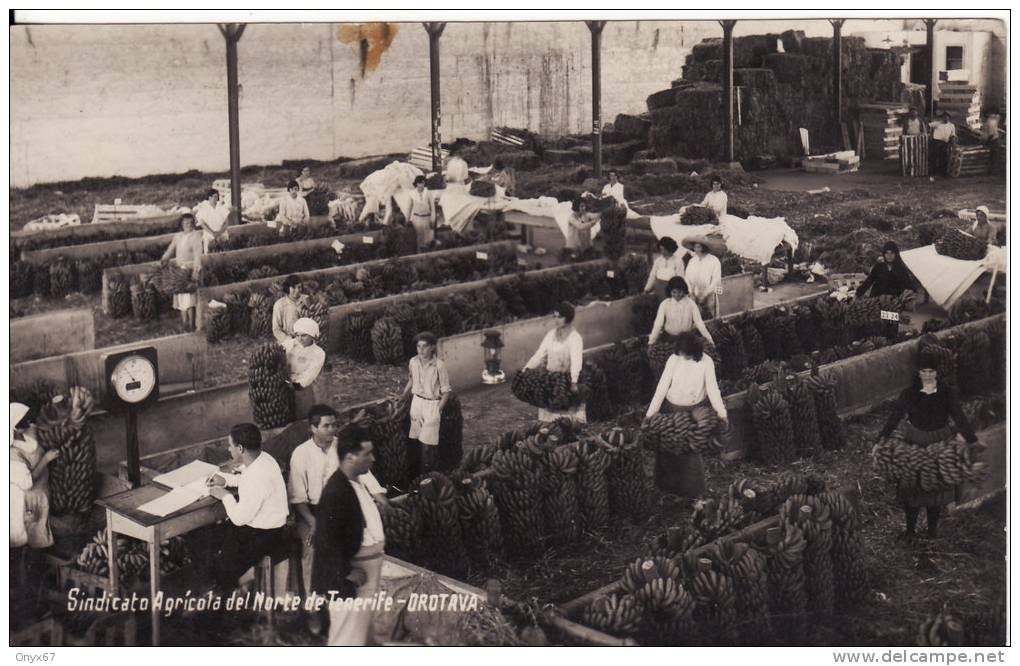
(124, 517)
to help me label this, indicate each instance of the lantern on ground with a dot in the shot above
(492, 347)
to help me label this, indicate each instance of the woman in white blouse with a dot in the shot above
(703, 273)
(716, 199)
(29, 496)
(562, 349)
(687, 384)
(678, 314)
(667, 266)
(614, 188)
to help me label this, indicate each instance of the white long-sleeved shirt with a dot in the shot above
(943, 131)
(560, 356)
(665, 268)
(685, 383)
(285, 314)
(717, 201)
(262, 492)
(293, 210)
(676, 317)
(703, 275)
(213, 217)
(305, 363)
(615, 191)
(373, 533)
(310, 469)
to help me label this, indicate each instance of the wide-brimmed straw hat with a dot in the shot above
(714, 244)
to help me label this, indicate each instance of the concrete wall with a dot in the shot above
(52, 333)
(307, 91)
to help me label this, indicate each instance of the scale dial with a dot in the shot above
(133, 378)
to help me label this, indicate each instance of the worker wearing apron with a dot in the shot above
(667, 265)
(186, 250)
(429, 383)
(562, 349)
(423, 213)
(688, 384)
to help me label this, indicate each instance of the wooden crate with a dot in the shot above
(915, 155)
(969, 161)
(849, 280)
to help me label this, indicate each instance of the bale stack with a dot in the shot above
(882, 129)
(963, 101)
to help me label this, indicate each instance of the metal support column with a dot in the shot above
(232, 34)
(435, 30)
(596, 94)
(929, 99)
(837, 78)
(727, 86)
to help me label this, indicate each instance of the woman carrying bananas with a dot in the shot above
(927, 404)
(704, 272)
(687, 384)
(678, 314)
(562, 349)
(186, 249)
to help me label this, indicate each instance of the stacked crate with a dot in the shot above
(969, 160)
(882, 130)
(962, 100)
(914, 157)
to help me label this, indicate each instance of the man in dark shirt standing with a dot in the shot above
(349, 541)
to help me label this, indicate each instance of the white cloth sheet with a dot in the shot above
(946, 279)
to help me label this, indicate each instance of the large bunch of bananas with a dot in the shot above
(942, 630)
(237, 308)
(803, 415)
(676, 541)
(262, 272)
(269, 390)
(960, 245)
(550, 390)
(90, 276)
(771, 330)
(813, 517)
(730, 344)
(132, 556)
(806, 326)
(682, 432)
(937, 466)
(479, 521)
(715, 599)
(405, 317)
(559, 497)
(427, 318)
(592, 483)
(442, 542)
(387, 342)
(61, 426)
(666, 605)
(451, 434)
(627, 372)
(773, 427)
(755, 500)
(715, 519)
(118, 298)
(613, 231)
(862, 316)
(784, 549)
(389, 423)
(746, 567)
(831, 318)
(172, 279)
(403, 526)
(616, 614)
(356, 332)
(659, 353)
(830, 427)
(21, 278)
(316, 308)
(851, 576)
(593, 387)
(518, 494)
(974, 361)
(61, 278)
(143, 301)
(477, 458)
(260, 323)
(629, 487)
(217, 324)
(754, 346)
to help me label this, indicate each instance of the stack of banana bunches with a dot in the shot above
(696, 588)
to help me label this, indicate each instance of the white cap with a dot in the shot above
(306, 326)
(983, 209)
(18, 412)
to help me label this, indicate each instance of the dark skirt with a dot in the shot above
(915, 498)
(682, 475)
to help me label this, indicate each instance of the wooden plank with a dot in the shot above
(846, 136)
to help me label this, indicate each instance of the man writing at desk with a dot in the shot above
(258, 517)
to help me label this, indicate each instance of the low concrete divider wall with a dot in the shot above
(52, 333)
(88, 233)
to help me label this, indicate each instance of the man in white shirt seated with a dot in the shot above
(258, 516)
(311, 465)
(212, 219)
(943, 136)
(305, 360)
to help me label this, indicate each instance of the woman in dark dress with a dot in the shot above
(888, 277)
(928, 405)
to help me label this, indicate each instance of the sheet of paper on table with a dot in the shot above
(182, 476)
(176, 499)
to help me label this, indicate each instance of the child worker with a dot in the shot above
(429, 382)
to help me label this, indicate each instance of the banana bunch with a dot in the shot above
(479, 521)
(517, 491)
(659, 353)
(682, 433)
(357, 335)
(61, 426)
(61, 278)
(172, 279)
(404, 315)
(940, 465)
(806, 326)
(830, 427)
(773, 426)
(21, 281)
(477, 458)
(531, 386)
(118, 298)
(260, 323)
(592, 484)
(657, 586)
(389, 423)
(784, 548)
(770, 328)
(715, 601)
(41, 281)
(960, 245)
(217, 324)
(942, 630)
(269, 392)
(794, 483)
(402, 526)
(559, 499)
(847, 551)
(387, 342)
(428, 318)
(730, 345)
(442, 542)
(831, 317)
(262, 272)
(629, 487)
(755, 501)
(237, 307)
(974, 361)
(803, 415)
(754, 346)
(862, 314)
(143, 302)
(132, 556)
(627, 373)
(593, 389)
(617, 615)
(812, 515)
(746, 567)
(678, 540)
(717, 519)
